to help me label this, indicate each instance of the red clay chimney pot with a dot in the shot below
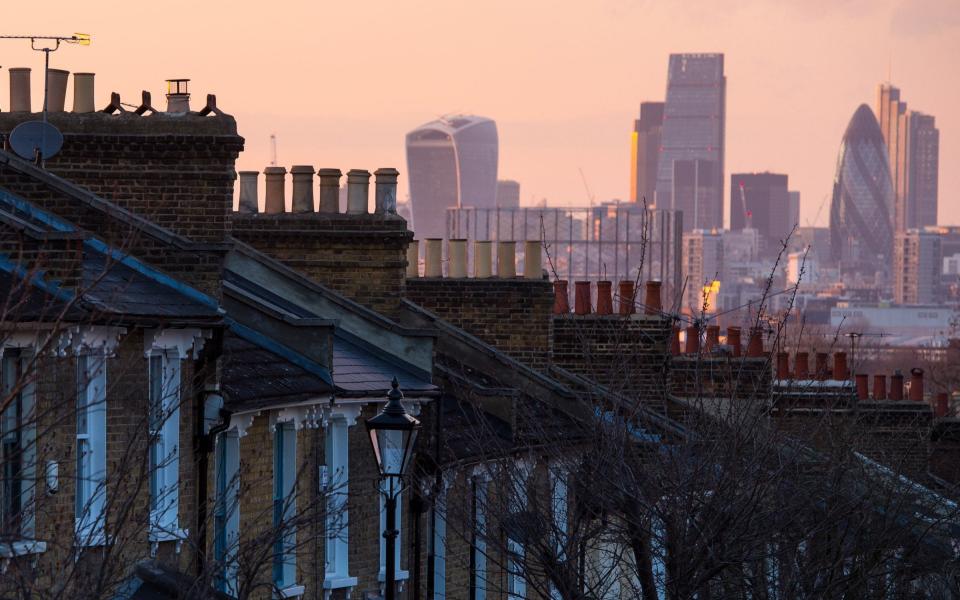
(733, 339)
(896, 385)
(879, 387)
(693, 339)
(561, 301)
(916, 384)
(755, 345)
(581, 299)
(604, 298)
(626, 297)
(840, 372)
(783, 365)
(863, 383)
(653, 305)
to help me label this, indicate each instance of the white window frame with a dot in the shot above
(336, 488)
(19, 420)
(164, 425)
(227, 509)
(285, 509)
(393, 456)
(91, 448)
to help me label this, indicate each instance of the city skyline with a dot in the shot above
(564, 96)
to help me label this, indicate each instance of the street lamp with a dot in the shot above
(393, 434)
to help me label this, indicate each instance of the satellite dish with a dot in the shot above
(28, 138)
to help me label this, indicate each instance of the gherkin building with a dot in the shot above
(861, 225)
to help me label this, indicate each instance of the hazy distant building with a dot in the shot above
(703, 262)
(692, 140)
(794, 209)
(450, 162)
(913, 148)
(508, 193)
(645, 152)
(761, 200)
(861, 232)
(917, 264)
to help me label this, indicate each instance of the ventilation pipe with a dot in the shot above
(19, 89)
(276, 189)
(57, 89)
(457, 255)
(330, 191)
(581, 298)
(302, 176)
(248, 191)
(506, 259)
(482, 263)
(626, 297)
(561, 301)
(385, 197)
(358, 192)
(413, 258)
(532, 261)
(604, 298)
(83, 96)
(433, 264)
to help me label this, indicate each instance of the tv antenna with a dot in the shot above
(39, 140)
(273, 149)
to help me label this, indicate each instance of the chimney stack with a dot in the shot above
(755, 345)
(532, 261)
(482, 262)
(916, 384)
(733, 340)
(248, 191)
(626, 297)
(896, 385)
(457, 255)
(693, 340)
(385, 197)
(879, 387)
(604, 298)
(276, 190)
(413, 257)
(561, 302)
(433, 266)
(581, 297)
(57, 89)
(302, 176)
(675, 341)
(863, 393)
(83, 97)
(20, 89)
(506, 259)
(783, 365)
(942, 408)
(178, 96)
(329, 190)
(358, 193)
(713, 338)
(801, 365)
(653, 305)
(821, 366)
(840, 372)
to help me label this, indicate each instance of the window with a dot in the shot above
(559, 499)
(478, 556)
(394, 454)
(18, 451)
(516, 553)
(284, 507)
(336, 487)
(164, 445)
(226, 515)
(91, 449)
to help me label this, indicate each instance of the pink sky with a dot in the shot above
(340, 84)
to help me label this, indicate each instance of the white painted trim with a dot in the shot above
(89, 339)
(291, 591)
(181, 340)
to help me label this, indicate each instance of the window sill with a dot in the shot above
(291, 591)
(332, 582)
(21, 548)
(399, 576)
(92, 540)
(172, 534)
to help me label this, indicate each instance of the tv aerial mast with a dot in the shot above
(38, 139)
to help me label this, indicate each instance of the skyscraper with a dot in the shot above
(645, 151)
(913, 147)
(693, 130)
(451, 162)
(508, 193)
(916, 267)
(764, 200)
(861, 232)
(703, 262)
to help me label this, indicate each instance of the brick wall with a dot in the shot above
(512, 315)
(627, 354)
(361, 256)
(176, 170)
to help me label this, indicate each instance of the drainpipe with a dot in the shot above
(203, 444)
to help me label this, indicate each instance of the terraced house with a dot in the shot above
(186, 386)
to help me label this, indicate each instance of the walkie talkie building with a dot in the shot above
(451, 162)
(861, 225)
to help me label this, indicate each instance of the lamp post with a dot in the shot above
(393, 434)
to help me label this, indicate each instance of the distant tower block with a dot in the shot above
(508, 193)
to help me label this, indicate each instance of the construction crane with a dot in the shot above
(586, 186)
(747, 214)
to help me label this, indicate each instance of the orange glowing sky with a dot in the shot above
(341, 83)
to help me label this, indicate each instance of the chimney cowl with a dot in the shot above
(178, 96)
